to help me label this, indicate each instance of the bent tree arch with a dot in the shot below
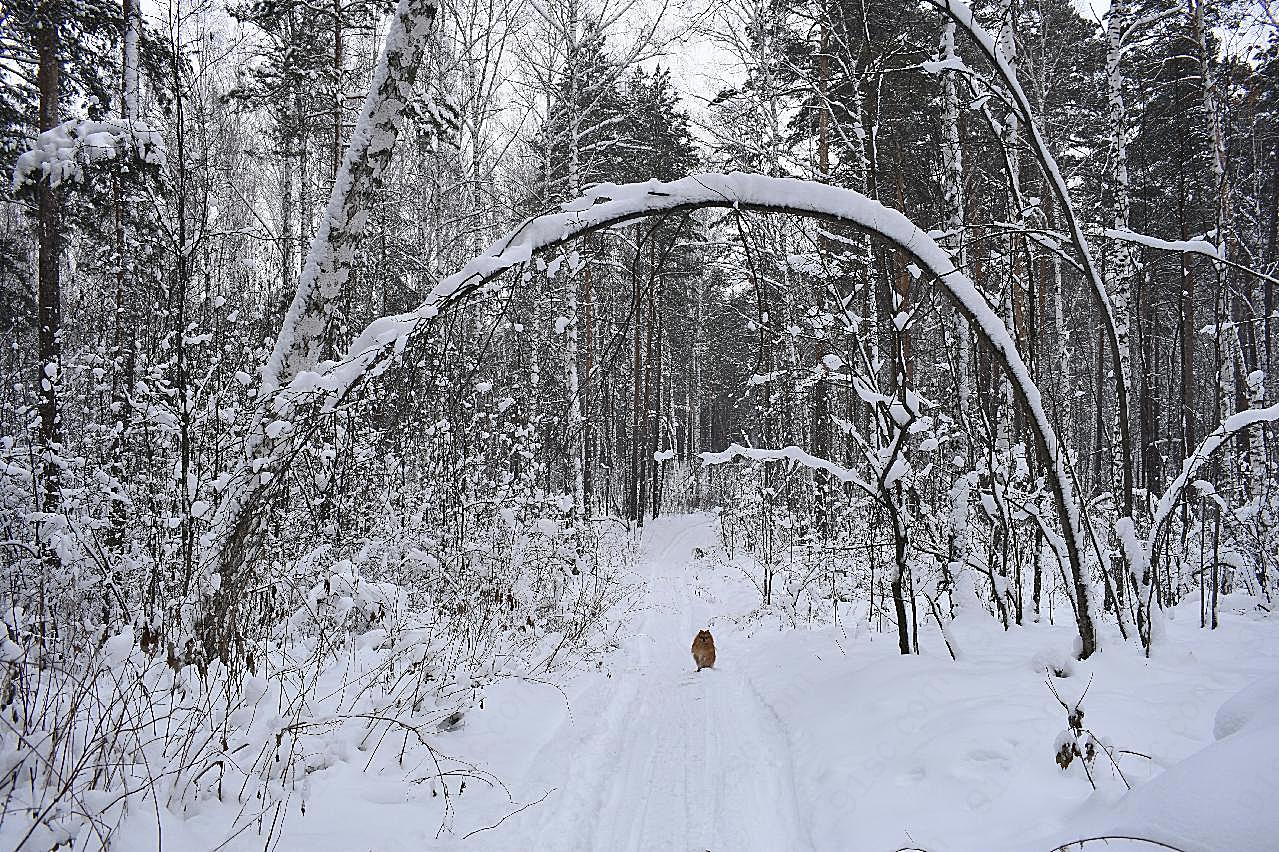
(294, 410)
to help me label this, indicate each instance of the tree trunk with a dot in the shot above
(1008, 13)
(655, 445)
(335, 147)
(129, 59)
(1124, 266)
(635, 513)
(242, 516)
(49, 295)
(576, 425)
(953, 201)
(587, 388)
(900, 569)
(330, 260)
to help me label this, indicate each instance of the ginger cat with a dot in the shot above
(704, 650)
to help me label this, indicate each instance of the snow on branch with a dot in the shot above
(1229, 427)
(794, 454)
(609, 205)
(1200, 247)
(941, 66)
(1203, 247)
(60, 154)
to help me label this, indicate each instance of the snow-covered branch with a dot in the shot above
(1231, 426)
(60, 155)
(609, 205)
(793, 454)
(1202, 247)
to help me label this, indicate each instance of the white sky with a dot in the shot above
(700, 68)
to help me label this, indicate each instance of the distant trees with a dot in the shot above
(605, 120)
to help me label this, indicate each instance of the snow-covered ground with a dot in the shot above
(655, 755)
(826, 738)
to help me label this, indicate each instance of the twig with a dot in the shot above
(1065, 847)
(1098, 744)
(511, 814)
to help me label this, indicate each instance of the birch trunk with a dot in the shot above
(132, 32)
(953, 200)
(1012, 133)
(330, 259)
(1124, 266)
(1121, 290)
(245, 508)
(576, 428)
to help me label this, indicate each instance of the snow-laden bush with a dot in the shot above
(363, 670)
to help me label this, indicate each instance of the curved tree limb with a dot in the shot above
(1231, 426)
(609, 205)
(962, 14)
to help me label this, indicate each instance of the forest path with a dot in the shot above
(658, 756)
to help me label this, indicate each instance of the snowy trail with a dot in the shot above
(826, 738)
(660, 757)
(823, 737)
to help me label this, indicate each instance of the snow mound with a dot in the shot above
(1222, 796)
(1256, 705)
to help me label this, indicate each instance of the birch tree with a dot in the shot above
(241, 522)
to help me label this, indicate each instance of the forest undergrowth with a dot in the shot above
(378, 658)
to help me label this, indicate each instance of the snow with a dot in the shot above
(1221, 796)
(61, 153)
(652, 755)
(1202, 247)
(1136, 555)
(816, 736)
(1255, 706)
(118, 648)
(828, 739)
(950, 63)
(900, 468)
